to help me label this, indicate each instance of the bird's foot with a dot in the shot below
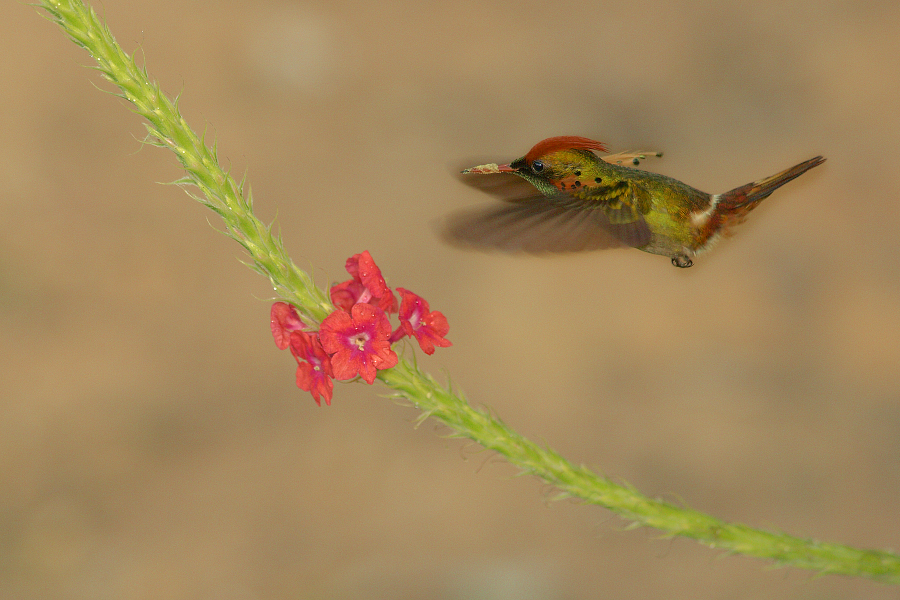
(682, 261)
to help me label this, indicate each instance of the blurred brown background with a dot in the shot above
(153, 444)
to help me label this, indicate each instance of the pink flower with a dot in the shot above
(355, 340)
(284, 321)
(345, 295)
(366, 287)
(358, 342)
(429, 328)
(314, 373)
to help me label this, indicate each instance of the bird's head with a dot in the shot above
(551, 165)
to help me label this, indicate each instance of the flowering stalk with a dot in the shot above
(362, 324)
(355, 340)
(168, 129)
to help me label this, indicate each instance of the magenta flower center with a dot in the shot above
(359, 340)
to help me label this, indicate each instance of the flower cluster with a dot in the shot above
(356, 338)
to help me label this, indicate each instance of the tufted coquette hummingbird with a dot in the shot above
(569, 199)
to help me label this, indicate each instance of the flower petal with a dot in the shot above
(284, 320)
(416, 319)
(358, 342)
(314, 372)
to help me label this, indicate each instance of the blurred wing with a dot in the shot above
(629, 159)
(540, 224)
(503, 186)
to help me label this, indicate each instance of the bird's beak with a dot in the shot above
(490, 168)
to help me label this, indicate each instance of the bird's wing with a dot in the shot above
(538, 223)
(623, 201)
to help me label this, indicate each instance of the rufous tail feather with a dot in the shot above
(735, 204)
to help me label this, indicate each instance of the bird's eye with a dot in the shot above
(537, 166)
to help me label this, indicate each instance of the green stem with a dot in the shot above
(578, 481)
(167, 128)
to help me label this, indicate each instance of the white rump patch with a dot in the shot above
(699, 218)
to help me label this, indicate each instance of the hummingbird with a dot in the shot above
(566, 198)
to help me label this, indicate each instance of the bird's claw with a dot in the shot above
(682, 261)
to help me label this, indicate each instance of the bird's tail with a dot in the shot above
(741, 200)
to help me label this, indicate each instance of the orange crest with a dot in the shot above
(562, 142)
